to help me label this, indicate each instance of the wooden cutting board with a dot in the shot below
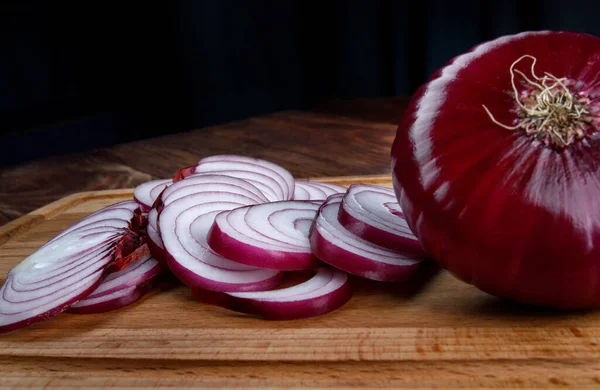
(433, 332)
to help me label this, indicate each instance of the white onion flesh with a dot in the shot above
(314, 190)
(208, 182)
(284, 179)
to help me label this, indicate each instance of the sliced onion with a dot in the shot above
(373, 214)
(53, 278)
(273, 180)
(277, 172)
(211, 183)
(335, 245)
(270, 235)
(328, 290)
(121, 288)
(145, 194)
(314, 190)
(68, 267)
(184, 225)
(267, 185)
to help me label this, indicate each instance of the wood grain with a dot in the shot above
(432, 332)
(338, 139)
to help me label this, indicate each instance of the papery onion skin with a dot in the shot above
(497, 208)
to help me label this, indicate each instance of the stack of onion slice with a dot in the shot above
(68, 267)
(186, 212)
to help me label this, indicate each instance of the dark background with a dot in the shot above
(77, 75)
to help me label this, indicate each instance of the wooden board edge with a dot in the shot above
(24, 223)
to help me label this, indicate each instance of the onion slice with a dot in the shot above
(373, 214)
(146, 193)
(270, 235)
(211, 183)
(314, 190)
(68, 267)
(184, 225)
(121, 288)
(327, 290)
(335, 245)
(273, 180)
(53, 278)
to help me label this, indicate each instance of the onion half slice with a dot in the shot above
(327, 290)
(211, 183)
(373, 214)
(335, 245)
(68, 267)
(269, 235)
(273, 180)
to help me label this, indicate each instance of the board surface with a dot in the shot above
(433, 332)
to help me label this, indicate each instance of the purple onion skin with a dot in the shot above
(495, 207)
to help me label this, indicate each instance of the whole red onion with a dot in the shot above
(496, 165)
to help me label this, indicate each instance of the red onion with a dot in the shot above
(497, 158)
(184, 225)
(121, 288)
(314, 190)
(373, 214)
(335, 245)
(328, 290)
(270, 235)
(68, 267)
(146, 193)
(274, 181)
